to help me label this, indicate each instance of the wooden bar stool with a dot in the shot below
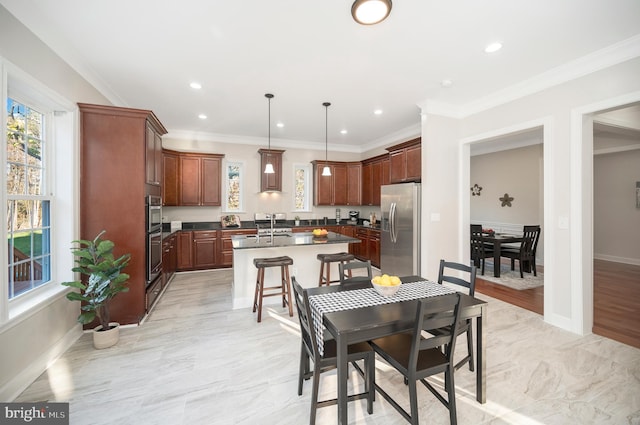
(327, 259)
(285, 282)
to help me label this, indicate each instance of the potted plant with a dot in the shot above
(297, 220)
(95, 260)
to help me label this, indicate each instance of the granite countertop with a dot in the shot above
(286, 240)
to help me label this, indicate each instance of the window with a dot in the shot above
(233, 182)
(302, 187)
(28, 209)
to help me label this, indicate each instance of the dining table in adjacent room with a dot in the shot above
(358, 313)
(497, 240)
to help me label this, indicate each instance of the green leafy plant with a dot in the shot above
(105, 280)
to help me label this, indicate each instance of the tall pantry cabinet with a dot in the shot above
(119, 167)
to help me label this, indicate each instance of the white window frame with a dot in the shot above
(240, 165)
(307, 187)
(61, 188)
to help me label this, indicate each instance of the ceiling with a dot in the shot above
(144, 54)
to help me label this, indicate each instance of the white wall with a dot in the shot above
(566, 265)
(616, 218)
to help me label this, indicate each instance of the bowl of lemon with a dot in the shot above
(386, 285)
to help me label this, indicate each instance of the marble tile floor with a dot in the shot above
(195, 361)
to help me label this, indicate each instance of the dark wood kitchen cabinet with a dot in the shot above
(373, 178)
(170, 180)
(369, 248)
(405, 162)
(197, 249)
(169, 258)
(113, 187)
(226, 246)
(271, 182)
(342, 187)
(153, 163)
(185, 253)
(200, 179)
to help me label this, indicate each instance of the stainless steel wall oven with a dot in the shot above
(154, 237)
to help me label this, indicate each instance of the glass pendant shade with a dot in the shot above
(370, 12)
(268, 169)
(326, 171)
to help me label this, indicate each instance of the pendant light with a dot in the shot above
(326, 171)
(268, 169)
(370, 12)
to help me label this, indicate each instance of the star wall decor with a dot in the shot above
(475, 190)
(506, 200)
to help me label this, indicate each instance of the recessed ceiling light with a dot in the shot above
(279, 125)
(343, 131)
(195, 85)
(378, 112)
(446, 83)
(493, 47)
(202, 116)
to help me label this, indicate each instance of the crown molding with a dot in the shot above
(601, 59)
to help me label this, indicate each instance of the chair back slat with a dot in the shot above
(436, 313)
(304, 316)
(530, 235)
(354, 266)
(470, 272)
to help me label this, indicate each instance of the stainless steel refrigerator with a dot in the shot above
(400, 229)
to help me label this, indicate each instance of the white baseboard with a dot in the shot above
(615, 259)
(26, 377)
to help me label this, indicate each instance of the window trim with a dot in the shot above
(241, 166)
(307, 187)
(61, 190)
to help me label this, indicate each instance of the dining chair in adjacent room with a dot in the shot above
(327, 360)
(526, 254)
(352, 272)
(479, 249)
(468, 281)
(417, 356)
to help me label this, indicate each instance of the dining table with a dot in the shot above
(497, 240)
(353, 322)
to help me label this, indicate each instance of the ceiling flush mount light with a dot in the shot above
(493, 47)
(370, 12)
(326, 171)
(202, 116)
(378, 112)
(268, 169)
(196, 86)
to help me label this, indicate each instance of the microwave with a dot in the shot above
(154, 213)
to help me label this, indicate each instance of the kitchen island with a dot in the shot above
(303, 248)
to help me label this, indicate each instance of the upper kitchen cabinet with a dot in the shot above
(170, 178)
(113, 186)
(405, 162)
(271, 182)
(342, 187)
(373, 177)
(153, 163)
(199, 179)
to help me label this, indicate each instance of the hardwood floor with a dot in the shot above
(616, 299)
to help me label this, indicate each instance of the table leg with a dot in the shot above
(481, 361)
(496, 259)
(343, 368)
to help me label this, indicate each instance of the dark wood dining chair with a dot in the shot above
(468, 281)
(323, 362)
(526, 254)
(479, 249)
(417, 357)
(349, 272)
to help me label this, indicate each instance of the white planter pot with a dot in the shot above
(108, 338)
